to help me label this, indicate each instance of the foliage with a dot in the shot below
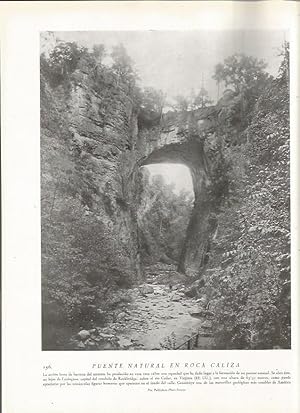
(201, 100)
(123, 65)
(284, 68)
(99, 52)
(152, 100)
(169, 343)
(66, 57)
(163, 219)
(241, 72)
(81, 260)
(62, 61)
(151, 103)
(245, 79)
(251, 255)
(193, 101)
(249, 277)
(182, 103)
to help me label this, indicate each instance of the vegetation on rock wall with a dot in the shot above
(250, 280)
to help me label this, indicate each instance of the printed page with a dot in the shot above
(150, 206)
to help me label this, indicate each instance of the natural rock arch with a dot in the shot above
(116, 140)
(180, 139)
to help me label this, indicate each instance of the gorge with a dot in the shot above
(98, 130)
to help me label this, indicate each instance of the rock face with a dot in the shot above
(179, 139)
(89, 173)
(96, 124)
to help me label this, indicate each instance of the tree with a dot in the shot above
(193, 101)
(99, 52)
(284, 68)
(58, 64)
(241, 72)
(251, 255)
(150, 103)
(163, 218)
(123, 64)
(65, 56)
(246, 79)
(182, 103)
(152, 100)
(202, 99)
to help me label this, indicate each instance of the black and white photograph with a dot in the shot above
(165, 190)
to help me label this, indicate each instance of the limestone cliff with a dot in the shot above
(93, 141)
(100, 122)
(89, 190)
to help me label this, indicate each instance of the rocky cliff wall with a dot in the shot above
(92, 145)
(89, 186)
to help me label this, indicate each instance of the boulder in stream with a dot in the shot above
(146, 289)
(84, 334)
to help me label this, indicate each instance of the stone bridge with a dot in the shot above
(179, 138)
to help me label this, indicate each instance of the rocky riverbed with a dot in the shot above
(156, 315)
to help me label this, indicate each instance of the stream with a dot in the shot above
(157, 316)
